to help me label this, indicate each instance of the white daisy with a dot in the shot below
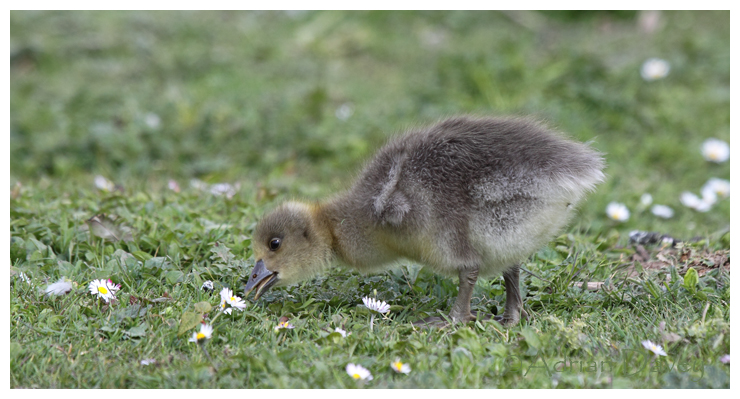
(617, 211)
(104, 184)
(172, 185)
(340, 331)
(104, 289)
(657, 349)
(206, 331)
(230, 301)
(375, 305)
(691, 200)
(358, 372)
(715, 150)
(198, 185)
(399, 367)
(147, 362)
(719, 187)
(662, 211)
(703, 206)
(224, 189)
(646, 199)
(152, 120)
(61, 287)
(237, 303)
(284, 325)
(708, 195)
(655, 68)
(225, 294)
(725, 359)
(344, 111)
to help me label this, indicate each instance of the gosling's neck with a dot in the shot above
(325, 217)
(348, 232)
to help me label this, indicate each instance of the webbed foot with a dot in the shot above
(512, 319)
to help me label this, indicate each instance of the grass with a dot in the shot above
(290, 105)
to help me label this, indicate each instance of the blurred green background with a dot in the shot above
(293, 103)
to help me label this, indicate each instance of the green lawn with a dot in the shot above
(290, 105)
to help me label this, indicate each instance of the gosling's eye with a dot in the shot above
(274, 244)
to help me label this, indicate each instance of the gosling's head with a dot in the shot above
(290, 245)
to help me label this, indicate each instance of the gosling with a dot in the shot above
(467, 197)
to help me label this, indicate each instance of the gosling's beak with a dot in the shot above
(261, 278)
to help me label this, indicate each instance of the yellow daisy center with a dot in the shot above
(714, 155)
(356, 376)
(200, 336)
(102, 290)
(398, 365)
(233, 299)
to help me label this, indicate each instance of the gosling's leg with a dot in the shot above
(460, 312)
(514, 308)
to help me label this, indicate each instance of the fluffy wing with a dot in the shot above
(391, 204)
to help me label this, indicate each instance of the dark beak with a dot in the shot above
(261, 279)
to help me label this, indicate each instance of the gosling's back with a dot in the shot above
(466, 192)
